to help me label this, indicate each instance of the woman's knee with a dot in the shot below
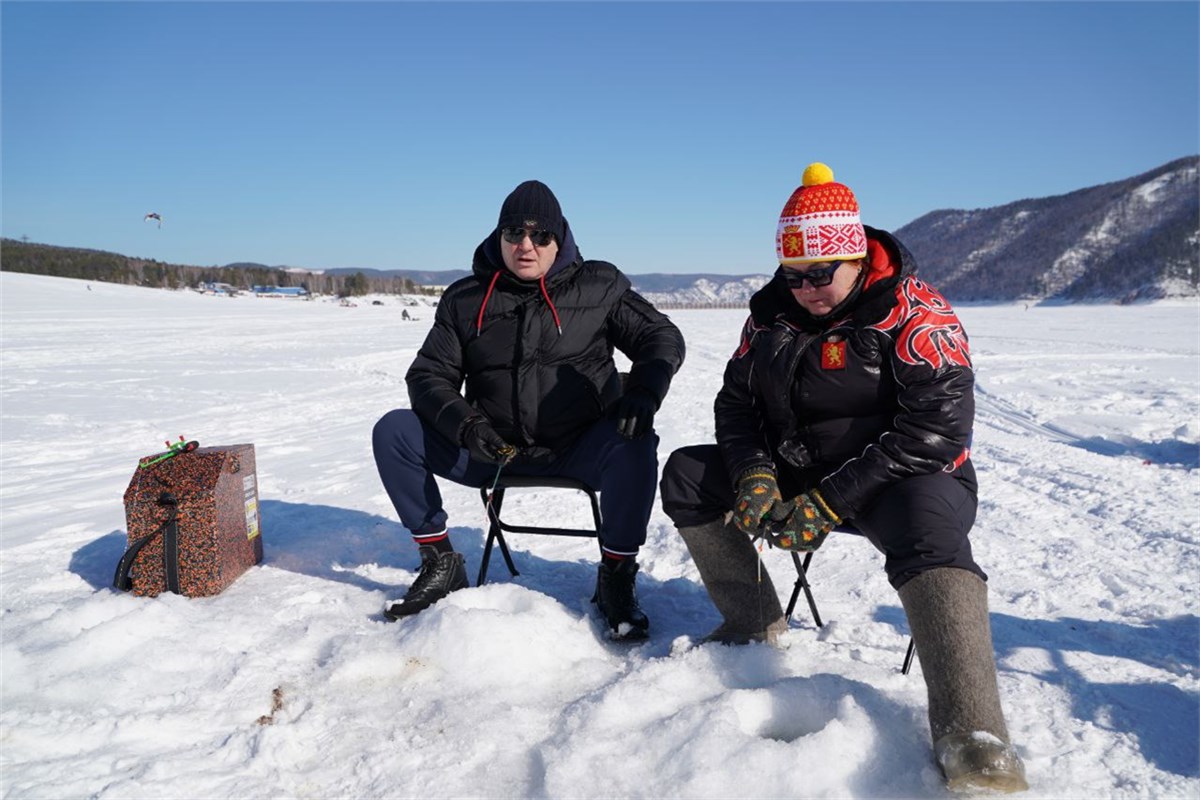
(684, 470)
(694, 484)
(921, 524)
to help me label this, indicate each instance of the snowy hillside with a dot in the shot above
(291, 684)
(729, 292)
(1135, 239)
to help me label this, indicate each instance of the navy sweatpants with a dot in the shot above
(410, 453)
(918, 523)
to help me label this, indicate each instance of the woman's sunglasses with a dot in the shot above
(822, 276)
(517, 235)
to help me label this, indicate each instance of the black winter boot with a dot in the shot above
(441, 574)
(617, 599)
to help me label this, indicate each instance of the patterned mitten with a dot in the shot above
(810, 520)
(757, 493)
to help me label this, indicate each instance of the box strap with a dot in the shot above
(123, 579)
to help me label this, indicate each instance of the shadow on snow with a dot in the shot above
(1172, 452)
(351, 547)
(1164, 718)
(341, 545)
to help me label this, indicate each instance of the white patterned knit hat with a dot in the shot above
(820, 221)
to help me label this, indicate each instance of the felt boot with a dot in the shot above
(737, 582)
(947, 612)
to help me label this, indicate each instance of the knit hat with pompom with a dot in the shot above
(820, 221)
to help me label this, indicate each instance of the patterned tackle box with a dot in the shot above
(193, 522)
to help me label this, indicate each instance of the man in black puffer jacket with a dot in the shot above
(531, 334)
(850, 401)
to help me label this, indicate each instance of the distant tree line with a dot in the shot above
(104, 267)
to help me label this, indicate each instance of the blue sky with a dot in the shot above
(386, 134)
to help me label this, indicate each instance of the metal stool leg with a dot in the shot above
(495, 535)
(497, 527)
(507, 556)
(487, 556)
(802, 583)
(908, 657)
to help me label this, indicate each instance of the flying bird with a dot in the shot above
(153, 216)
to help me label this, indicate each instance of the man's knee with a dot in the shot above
(394, 429)
(641, 449)
(619, 461)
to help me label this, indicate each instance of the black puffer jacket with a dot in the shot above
(537, 356)
(882, 391)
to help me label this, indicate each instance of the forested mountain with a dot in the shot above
(1135, 239)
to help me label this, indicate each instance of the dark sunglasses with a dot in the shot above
(517, 235)
(822, 276)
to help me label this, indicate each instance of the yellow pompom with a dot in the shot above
(816, 173)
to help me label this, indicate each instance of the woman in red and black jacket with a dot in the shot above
(849, 401)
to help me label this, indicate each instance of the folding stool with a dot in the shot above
(802, 584)
(497, 526)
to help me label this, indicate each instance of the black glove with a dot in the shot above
(808, 521)
(757, 494)
(635, 413)
(484, 444)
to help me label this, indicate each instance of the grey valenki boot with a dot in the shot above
(737, 582)
(947, 612)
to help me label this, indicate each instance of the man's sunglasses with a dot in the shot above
(517, 235)
(822, 276)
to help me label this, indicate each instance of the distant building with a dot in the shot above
(280, 291)
(212, 287)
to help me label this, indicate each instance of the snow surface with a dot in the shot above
(291, 684)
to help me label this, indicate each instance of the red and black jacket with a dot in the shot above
(881, 391)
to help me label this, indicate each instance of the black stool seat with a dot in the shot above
(497, 527)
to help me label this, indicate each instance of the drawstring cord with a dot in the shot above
(549, 302)
(488, 296)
